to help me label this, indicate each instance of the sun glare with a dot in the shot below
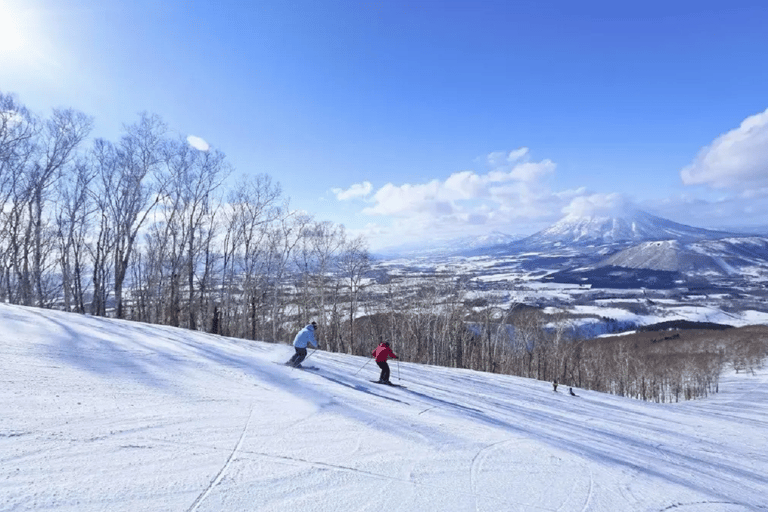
(11, 36)
(19, 32)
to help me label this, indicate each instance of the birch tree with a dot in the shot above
(18, 131)
(193, 178)
(131, 188)
(353, 265)
(253, 205)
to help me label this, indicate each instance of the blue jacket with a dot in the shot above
(306, 335)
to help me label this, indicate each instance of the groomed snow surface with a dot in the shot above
(107, 415)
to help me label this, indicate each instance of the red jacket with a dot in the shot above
(382, 353)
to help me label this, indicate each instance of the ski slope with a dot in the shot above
(106, 415)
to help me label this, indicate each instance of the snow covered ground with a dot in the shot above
(98, 414)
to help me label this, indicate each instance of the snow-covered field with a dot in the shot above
(98, 414)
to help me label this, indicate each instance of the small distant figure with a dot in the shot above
(570, 390)
(305, 336)
(381, 354)
(554, 385)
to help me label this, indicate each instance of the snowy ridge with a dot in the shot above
(727, 256)
(454, 246)
(667, 255)
(98, 414)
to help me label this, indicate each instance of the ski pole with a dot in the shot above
(366, 364)
(398, 369)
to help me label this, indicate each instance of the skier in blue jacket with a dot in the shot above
(305, 336)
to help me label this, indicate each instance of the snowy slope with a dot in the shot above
(725, 256)
(98, 414)
(667, 255)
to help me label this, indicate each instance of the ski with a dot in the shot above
(300, 367)
(389, 384)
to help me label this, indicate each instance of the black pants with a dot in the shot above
(384, 371)
(298, 357)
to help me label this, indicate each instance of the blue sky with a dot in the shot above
(406, 119)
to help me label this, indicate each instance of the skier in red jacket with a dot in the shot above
(381, 354)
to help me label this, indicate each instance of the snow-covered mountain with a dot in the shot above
(634, 239)
(633, 226)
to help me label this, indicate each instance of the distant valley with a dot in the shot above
(657, 269)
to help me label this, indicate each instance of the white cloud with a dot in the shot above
(464, 185)
(531, 171)
(517, 154)
(512, 192)
(358, 190)
(736, 160)
(496, 158)
(597, 205)
(198, 143)
(499, 158)
(407, 199)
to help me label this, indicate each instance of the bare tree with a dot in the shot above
(254, 205)
(104, 158)
(326, 242)
(353, 265)
(193, 178)
(61, 136)
(18, 134)
(288, 232)
(314, 256)
(50, 150)
(129, 192)
(73, 223)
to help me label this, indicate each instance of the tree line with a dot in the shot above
(144, 228)
(438, 324)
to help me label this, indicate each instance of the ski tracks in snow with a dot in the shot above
(476, 467)
(224, 468)
(591, 487)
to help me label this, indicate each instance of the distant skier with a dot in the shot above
(570, 390)
(554, 385)
(305, 336)
(381, 354)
